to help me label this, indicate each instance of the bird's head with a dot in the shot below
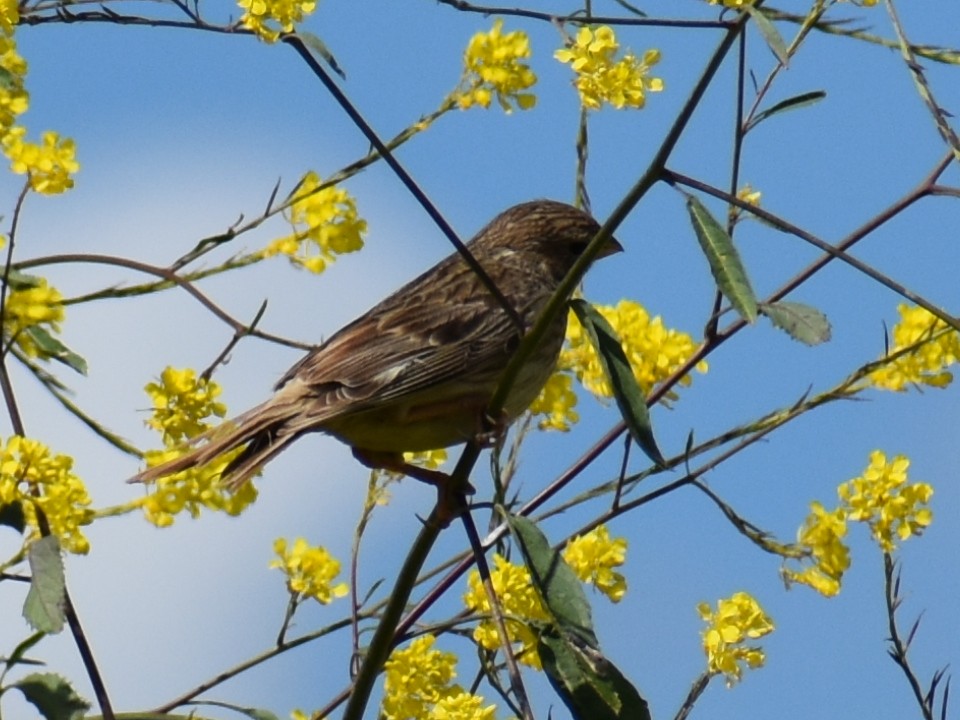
(544, 233)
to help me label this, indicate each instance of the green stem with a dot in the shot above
(384, 637)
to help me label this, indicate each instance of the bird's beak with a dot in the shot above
(612, 247)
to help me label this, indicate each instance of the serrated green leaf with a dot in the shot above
(590, 686)
(53, 696)
(725, 264)
(792, 103)
(43, 607)
(320, 48)
(770, 34)
(799, 321)
(53, 348)
(16, 657)
(629, 396)
(561, 590)
(12, 515)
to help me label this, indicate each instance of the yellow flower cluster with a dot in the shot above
(883, 499)
(593, 557)
(935, 346)
(325, 224)
(821, 537)
(493, 69)
(30, 306)
(38, 480)
(269, 18)
(418, 686)
(748, 195)
(519, 599)
(309, 570)
(182, 405)
(602, 78)
(9, 16)
(48, 166)
(737, 619)
(655, 352)
(14, 99)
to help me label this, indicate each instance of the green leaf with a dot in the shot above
(320, 48)
(626, 391)
(590, 686)
(12, 515)
(792, 103)
(799, 321)
(16, 657)
(53, 348)
(10, 81)
(53, 696)
(725, 264)
(770, 34)
(43, 608)
(560, 588)
(21, 281)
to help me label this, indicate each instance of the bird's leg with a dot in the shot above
(450, 501)
(490, 430)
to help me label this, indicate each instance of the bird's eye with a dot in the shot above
(577, 248)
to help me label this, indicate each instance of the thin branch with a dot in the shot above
(297, 44)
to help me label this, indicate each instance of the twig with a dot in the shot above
(516, 680)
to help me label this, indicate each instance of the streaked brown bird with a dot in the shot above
(418, 370)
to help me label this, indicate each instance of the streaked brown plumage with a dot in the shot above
(417, 371)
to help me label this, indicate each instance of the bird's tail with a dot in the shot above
(262, 432)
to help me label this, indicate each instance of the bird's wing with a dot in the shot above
(401, 349)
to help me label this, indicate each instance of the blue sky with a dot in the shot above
(180, 132)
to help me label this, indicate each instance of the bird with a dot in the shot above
(417, 371)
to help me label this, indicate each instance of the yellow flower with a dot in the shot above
(737, 619)
(14, 99)
(520, 601)
(883, 499)
(821, 538)
(269, 18)
(40, 305)
(49, 165)
(462, 706)
(9, 16)
(593, 557)
(748, 195)
(935, 347)
(732, 3)
(417, 686)
(602, 78)
(310, 570)
(182, 403)
(32, 476)
(556, 401)
(182, 407)
(493, 68)
(325, 224)
(192, 489)
(653, 350)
